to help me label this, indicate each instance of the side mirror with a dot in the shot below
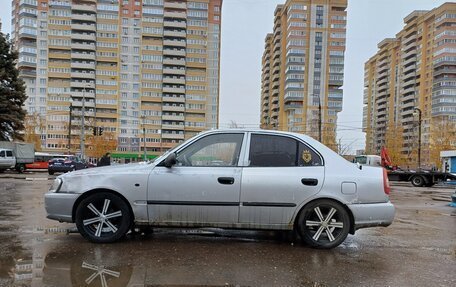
(170, 160)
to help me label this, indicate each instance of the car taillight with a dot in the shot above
(386, 186)
(67, 161)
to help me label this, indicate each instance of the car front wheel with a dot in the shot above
(103, 217)
(323, 224)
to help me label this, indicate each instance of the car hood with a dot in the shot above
(112, 169)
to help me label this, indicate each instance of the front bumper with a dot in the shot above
(372, 214)
(59, 206)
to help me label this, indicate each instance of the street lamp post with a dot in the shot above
(418, 111)
(69, 129)
(83, 124)
(144, 137)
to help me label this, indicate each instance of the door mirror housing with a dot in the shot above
(170, 160)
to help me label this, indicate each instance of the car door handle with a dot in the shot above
(309, 181)
(226, 180)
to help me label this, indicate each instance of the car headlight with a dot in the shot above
(55, 187)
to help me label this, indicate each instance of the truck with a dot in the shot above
(418, 178)
(15, 155)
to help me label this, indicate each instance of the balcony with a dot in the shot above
(175, 5)
(408, 90)
(406, 77)
(174, 62)
(409, 54)
(174, 71)
(172, 127)
(82, 85)
(173, 118)
(81, 36)
(177, 15)
(409, 68)
(83, 46)
(85, 8)
(78, 104)
(26, 64)
(77, 65)
(174, 52)
(27, 73)
(173, 99)
(175, 43)
(83, 75)
(172, 136)
(84, 27)
(171, 33)
(172, 80)
(173, 90)
(175, 24)
(86, 17)
(173, 108)
(84, 56)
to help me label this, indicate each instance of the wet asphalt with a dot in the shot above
(418, 249)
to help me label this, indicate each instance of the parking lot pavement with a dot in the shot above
(418, 249)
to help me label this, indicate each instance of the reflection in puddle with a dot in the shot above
(99, 271)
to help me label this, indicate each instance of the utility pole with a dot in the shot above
(144, 137)
(418, 111)
(83, 124)
(319, 119)
(69, 130)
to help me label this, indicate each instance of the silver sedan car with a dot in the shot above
(239, 179)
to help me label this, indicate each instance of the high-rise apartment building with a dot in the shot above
(413, 76)
(145, 71)
(303, 65)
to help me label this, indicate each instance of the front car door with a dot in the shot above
(203, 188)
(281, 172)
(7, 159)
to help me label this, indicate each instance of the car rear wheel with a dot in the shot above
(103, 217)
(323, 224)
(418, 181)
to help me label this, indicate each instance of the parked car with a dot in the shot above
(242, 179)
(66, 164)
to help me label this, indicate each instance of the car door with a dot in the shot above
(202, 188)
(9, 158)
(281, 173)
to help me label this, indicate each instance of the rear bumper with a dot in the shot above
(59, 206)
(372, 214)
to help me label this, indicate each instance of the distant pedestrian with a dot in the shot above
(105, 160)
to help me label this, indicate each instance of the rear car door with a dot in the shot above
(280, 174)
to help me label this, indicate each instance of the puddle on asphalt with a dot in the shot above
(194, 257)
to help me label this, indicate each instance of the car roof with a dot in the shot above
(258, 130)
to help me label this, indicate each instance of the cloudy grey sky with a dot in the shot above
(245, 24)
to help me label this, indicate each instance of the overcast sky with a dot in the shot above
(245, 24)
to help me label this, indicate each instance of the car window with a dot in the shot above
(9, 153)
(271, 150)
(213, 150)
(2, 153)
(279, 151)
(308, 157)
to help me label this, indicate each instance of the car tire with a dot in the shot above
(323, 224)
(103, 217)
(418, 181)
(20, 168)
(51, 172)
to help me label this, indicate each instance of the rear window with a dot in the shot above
(279, 151)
